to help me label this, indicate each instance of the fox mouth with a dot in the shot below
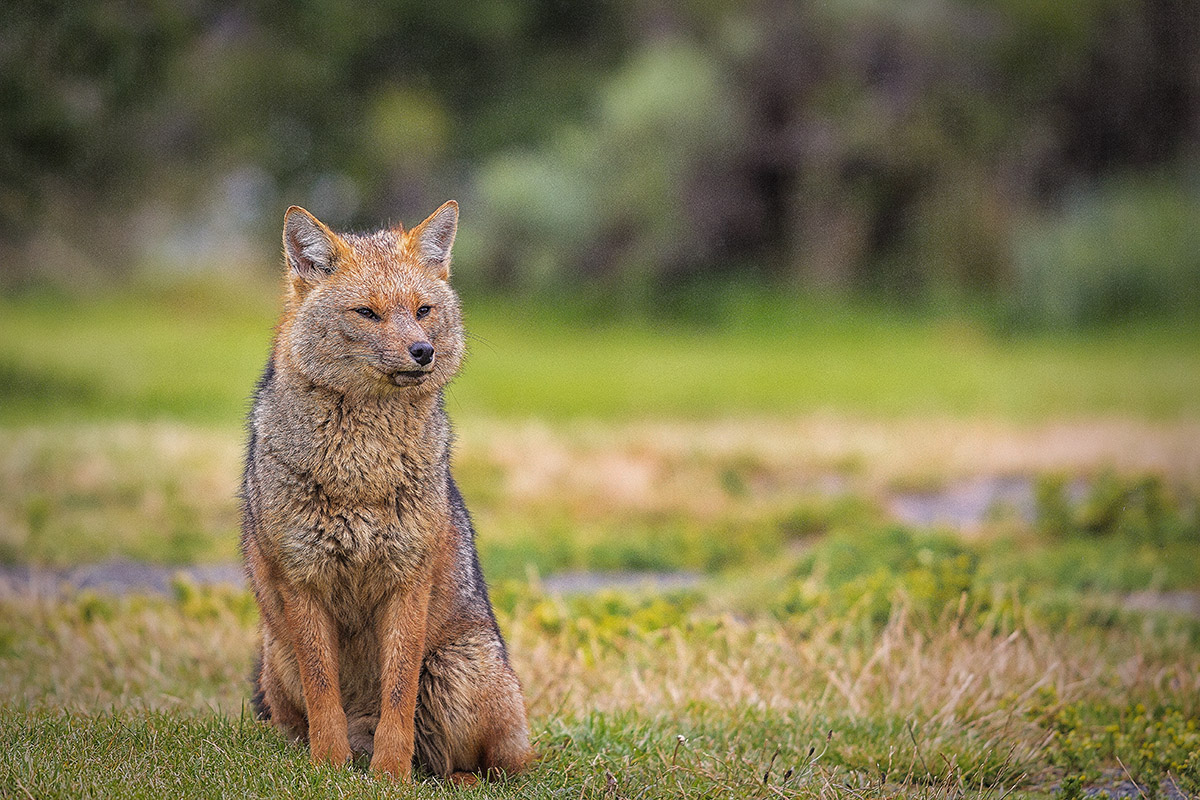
(409, 377)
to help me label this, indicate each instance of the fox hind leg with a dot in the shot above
(470, 716)
(272, 702)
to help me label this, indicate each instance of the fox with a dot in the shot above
(377, 635)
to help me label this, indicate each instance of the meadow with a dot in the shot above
(696, 538)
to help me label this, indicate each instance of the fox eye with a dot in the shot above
(422, 311)
(366, 312)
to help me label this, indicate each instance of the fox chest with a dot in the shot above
(340, 544)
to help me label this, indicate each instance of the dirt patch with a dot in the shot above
(116, 577)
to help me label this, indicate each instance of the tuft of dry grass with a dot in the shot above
(951, 675)
(88, 652)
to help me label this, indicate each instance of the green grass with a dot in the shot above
(800, 357)
(624, 755)
(880, 661)
(181, 354)
(193, 354)
(828, 651)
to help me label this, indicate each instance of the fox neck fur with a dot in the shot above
(357, 449)
(362, 483)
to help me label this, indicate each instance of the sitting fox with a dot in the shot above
(378, 636)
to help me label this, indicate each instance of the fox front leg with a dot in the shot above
(402, 640)
(313, 637)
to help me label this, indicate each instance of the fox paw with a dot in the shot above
(463, 778)
(392, 770)
(332, 750)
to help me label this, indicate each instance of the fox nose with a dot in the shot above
(422, 352)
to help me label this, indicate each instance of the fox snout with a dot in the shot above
(410, 363)
(422, 352)
(418, 354)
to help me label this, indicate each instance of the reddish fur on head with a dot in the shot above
(356, 304)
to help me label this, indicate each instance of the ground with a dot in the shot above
(874, 590)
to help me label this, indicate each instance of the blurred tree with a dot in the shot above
(78, 83)
(396, 96)
(630, 148)
(857, 146)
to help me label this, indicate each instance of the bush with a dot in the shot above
(1125, 249)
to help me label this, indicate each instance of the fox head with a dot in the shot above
(371, 314)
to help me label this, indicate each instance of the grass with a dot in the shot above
(193, 354)
(905, 670)
(826, 651)
(829, 652)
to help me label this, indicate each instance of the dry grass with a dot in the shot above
(89, 652)
(950, 706)
(161, 492)
(633, 464)
(947, 675)
(167, 492)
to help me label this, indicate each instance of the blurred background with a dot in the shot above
(858, 338)
(854, 247)
(1040, 160)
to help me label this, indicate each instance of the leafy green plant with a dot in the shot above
(1134, 509)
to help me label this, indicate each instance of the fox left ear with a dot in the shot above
(434, 237)
(308, 244)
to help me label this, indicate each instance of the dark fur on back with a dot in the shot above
(257, 696)
(479, 588)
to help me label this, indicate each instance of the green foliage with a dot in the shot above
(580, 203)
(203, 603)
(1081, 564)
(864, 574)
(1154, 745)
(1126, 249)
(653, 543)
(77, 79)
(1138, 511)
(609, 618)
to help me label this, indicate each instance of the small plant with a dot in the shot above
(1091, 740)
(1071, 788)
(1134, 509)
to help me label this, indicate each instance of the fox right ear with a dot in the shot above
(308, 245)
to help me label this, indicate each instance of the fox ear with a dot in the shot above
(308, 244)
(434, 237)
